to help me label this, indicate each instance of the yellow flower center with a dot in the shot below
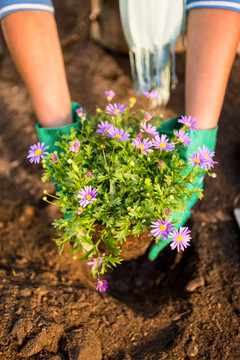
(88, 197)
(72, 143)
(118, 136)
(179, 238)
(116, 111)
(188, 124)
(162, 145)
(163, 227)
(206, 157)
(100, 283)
(106, 131)
(181, 139)
(141, 147)
(38, 152)
(197, 161)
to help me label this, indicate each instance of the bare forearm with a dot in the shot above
(212, 39)
(32, 39)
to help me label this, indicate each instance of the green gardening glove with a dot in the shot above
(49, 136)
(199, 138)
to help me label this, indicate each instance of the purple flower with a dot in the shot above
(104, 128)
(147, 116)
(81, 114)
(149, 129)
(161, 229)
(118, 134)
(183, 137)
(74, 145)
(154, 94)
(189, 122)
(92, 263)
(88, 195)
(101, 285)
(109, 95)
(54, 158)
(162, 143)
(115, 109)
(143, 146)
(95, 262)
(180, 238)
(207, 154)
(37, 152)
(197, 159)
(89, 174)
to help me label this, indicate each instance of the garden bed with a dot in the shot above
(179, 306)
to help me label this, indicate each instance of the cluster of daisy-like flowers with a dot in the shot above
(163, 229)
(147, 140)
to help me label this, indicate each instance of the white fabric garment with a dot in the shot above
(151, 28)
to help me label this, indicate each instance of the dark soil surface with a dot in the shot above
(177, 307)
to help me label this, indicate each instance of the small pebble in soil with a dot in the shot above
(26, 292)
(195, 284)
(21, 329)
(192, 349)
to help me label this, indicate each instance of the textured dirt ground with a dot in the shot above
(177, 307)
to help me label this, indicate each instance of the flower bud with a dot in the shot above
(160, 164)
(109, 95)
(79, 212)
(147, 117)
(132, 101)
(69, 161)
(98, 110)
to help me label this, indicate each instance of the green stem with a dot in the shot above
(113, 153)
(104, 156)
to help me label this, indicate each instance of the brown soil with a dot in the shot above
(176, 307)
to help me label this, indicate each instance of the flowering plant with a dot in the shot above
(120, 176)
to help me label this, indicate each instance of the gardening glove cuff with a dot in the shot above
(50, 135)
